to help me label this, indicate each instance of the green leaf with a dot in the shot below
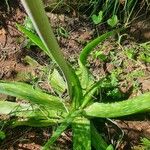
(28, 24)
(113, 21)
(100, 55)
(7, 108)
(36, 122)
(33, 37)
(77, 95)
(32, 62)
(130, 53)
(84, 73)
(110, 147)
(57, 82)
(90, 46)
(63, 32)
(36, 12)
(97, 141)
(97, 19)
(145, 58)
(81, 134)
(32, 115)
(67, 121)
(28, 111)
(2, 135)
(27, 92)
(145, 143)
(90, 93)
(84, 55)
(118, 109)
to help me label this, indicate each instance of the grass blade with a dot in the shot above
(81, 134)
(27, 92)
(118, 109)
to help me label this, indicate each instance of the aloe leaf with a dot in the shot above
(81, 134)
(36, 122)
(36, 12)
(97, 141)
(66, 122)
(28, 110)
(12, 108)
(84, 75)
(35, 39)
(31, 115)
(32, 36)
(85, 53)
(57, 82)
(36, 96)
(90, 46)
(77, 94)
(118, 109)
(90, 93)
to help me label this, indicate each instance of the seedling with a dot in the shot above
(115, 11)
(2, 135)
(113, 21)
(97, 18)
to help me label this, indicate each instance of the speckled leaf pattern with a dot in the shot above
(35, 96)
(118, 109)
(81, 134)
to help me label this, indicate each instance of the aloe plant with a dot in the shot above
(45, 109)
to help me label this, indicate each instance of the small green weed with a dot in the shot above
(62, 32)
(97, 18)
(116, 12)
(145, 143)
(2, 135)
(113, 21)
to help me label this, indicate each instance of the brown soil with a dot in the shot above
(12, 53)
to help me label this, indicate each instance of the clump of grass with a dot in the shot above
(121, 12)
